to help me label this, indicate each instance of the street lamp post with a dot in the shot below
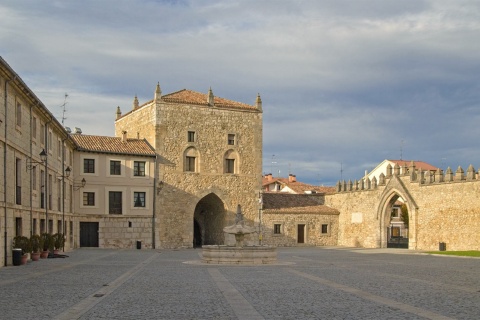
(66, 175)
(30, 165)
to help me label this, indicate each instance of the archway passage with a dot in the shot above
(209, 221)
(396, 223)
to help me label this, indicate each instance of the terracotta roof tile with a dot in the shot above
(297, 186)
(115, 145)
(418, 164)
(198, 98)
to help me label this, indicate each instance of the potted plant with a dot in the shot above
(48, 244)
(37, 244)
(58, 241)
(24, 244)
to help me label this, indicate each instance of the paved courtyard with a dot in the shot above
(308, 283)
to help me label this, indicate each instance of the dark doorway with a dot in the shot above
(197, 234)
(301, 233)
(210, 215)
(89, 234)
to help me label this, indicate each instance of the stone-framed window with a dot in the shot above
(191, 160)
(191, 136)
(231, 162)
(325, 229)
(277, 228)
(18, 115)
(231, 139)
(34, 128)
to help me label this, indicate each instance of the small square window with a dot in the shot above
(231, 139)
(191, 136)
(88, 198)
(324, 228)
(139, 168)
(277, 228)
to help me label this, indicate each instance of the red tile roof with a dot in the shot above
(115, 145)
(297, 186)
(418, 164)
(198, 98)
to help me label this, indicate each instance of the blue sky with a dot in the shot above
(344, 84)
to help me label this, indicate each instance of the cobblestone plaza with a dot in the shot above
(306, 283)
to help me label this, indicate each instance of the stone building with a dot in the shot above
(209, 161)
(298, 219)
(115, 208)
(35, 194)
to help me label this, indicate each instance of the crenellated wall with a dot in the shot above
(443, 207)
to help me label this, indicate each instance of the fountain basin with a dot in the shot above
(221, 254)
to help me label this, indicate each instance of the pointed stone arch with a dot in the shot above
(394, 189)
(209, 219)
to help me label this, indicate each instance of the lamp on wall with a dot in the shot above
(77, 186)
(32, 163)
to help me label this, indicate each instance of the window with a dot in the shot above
(42, 189)
(190, 164)
(89, 165)
(139, 168)
(50, 226)
(59, 148)
(71, 231)
(231, 139)
(89, 198)
(34, 128)
(34, 226)
(42, 134)
(190, 158)
(50, 141)
(59, 226)
(324, 228)
(18, 227)
(34, 178)
(191, 136)
(42, 226)
(19, 115)
(115, 168)
(18, 181)
(230, 165)
(50, 188)
(277, 228)
(139, 199)
(115, 202)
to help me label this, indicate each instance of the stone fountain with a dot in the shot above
(239, 253)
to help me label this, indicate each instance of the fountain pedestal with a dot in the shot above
(239, 254)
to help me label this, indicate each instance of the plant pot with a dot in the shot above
(56, 251)
(44, 254)
(35, 256)
(24, 258)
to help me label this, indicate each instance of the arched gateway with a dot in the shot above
(388, 214)
(209, 219)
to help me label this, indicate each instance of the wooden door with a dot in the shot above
(89, 234)
(301, 233)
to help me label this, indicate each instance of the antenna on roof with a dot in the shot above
(341, 171)
(63, 106)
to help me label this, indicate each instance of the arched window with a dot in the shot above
(190, 159)
(231, 162)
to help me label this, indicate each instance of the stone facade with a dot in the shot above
(199, 186)
(35, 195)
(442, 208)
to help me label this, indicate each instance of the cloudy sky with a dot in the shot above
(345, 84)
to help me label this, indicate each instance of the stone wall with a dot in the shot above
(289, 222)
(179, 192)
(441, 211)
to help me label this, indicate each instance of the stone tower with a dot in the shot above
(209, 161)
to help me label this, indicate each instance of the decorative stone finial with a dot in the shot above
(210, 99)
(158, 93)
(135, 103)
(258, 102)
(119, 113)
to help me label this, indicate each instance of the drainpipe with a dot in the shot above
(5, 172)
(155, 179)
(46, 175)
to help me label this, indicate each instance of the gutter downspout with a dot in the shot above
(63, 192)
(5, 172)
(46, 176)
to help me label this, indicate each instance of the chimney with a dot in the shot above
(124, 136)
(292, 178)
(269, 177)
